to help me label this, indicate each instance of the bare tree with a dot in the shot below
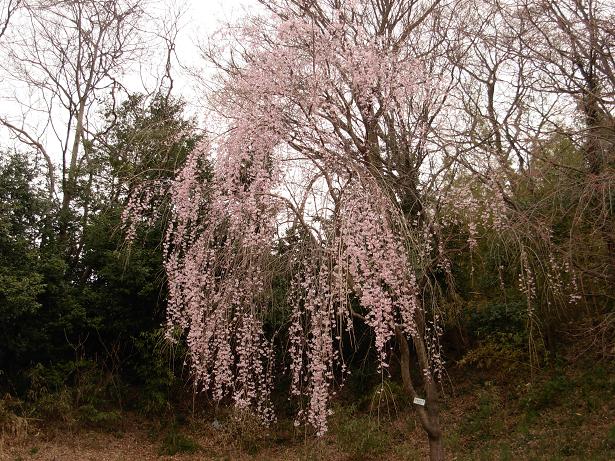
(8, 8)
(534, 87)
(66, 58)
(572, 45)
(531, 72)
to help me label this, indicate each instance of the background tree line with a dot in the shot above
(512, 160)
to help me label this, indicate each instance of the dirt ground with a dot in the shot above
(136, 444)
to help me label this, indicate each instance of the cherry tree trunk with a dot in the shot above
(431, 425)
(436, 448)
(429, 415)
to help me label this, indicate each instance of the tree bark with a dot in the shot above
(436, 448)
(429, 415)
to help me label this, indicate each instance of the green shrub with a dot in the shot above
(93, 417)
(73, 391)
(484, 423)
(175, 442)
(494, 319)
(501, 337)
(153, 370)
(547, 394)
(360, 436)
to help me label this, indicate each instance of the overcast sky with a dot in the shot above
(201, 19)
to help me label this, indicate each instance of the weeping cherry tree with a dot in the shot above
(322, 114)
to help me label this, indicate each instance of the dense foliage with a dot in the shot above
(104, 308)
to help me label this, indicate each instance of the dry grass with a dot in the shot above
(564, 415)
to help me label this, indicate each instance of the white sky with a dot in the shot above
(200, 20)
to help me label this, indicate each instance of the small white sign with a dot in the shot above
(419, 401)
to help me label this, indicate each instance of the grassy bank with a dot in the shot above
(566, 412)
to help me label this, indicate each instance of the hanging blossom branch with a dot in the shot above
(215, 250)
(366, 259)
